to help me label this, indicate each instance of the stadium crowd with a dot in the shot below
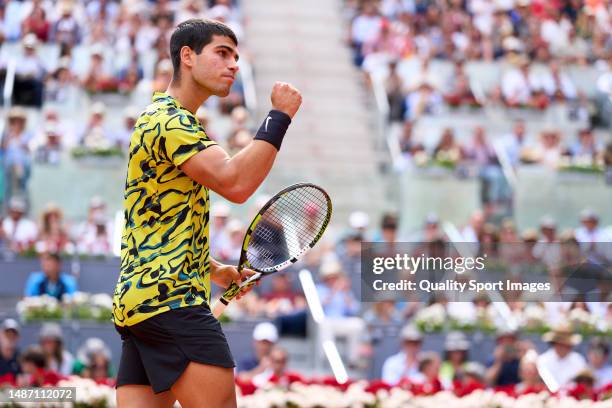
(523, 32)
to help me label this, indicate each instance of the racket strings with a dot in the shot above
(288, 227)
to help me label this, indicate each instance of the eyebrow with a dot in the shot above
(230, 49)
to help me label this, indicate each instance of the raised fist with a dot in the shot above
(285, 98)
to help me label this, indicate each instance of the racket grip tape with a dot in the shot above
(231, 292)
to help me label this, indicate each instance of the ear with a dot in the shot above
(187, 56)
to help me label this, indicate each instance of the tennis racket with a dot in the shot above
(285, 228)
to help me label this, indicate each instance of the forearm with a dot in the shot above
(249, 168)
(493, 373)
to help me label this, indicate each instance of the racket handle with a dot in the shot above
(231, 292)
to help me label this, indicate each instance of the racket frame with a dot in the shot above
(233, 290)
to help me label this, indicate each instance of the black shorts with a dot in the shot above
(156, 351)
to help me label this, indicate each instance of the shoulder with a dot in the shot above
(68, 278)
(165, 111)
(394, 359)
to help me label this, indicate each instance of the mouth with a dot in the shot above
(230, 77)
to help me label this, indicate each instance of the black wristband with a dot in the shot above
(273, 128)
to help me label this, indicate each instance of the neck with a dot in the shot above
(189, 94)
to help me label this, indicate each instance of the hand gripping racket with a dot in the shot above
(286, 227)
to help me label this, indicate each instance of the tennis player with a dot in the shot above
(173, 348)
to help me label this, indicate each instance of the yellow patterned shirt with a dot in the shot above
(164, 246)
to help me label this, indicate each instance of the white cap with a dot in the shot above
(219, 11)
(10, 324)
(359, 219)
(265, 331)
(234, 226)
(220, 210)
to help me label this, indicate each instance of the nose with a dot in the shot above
(234, 67)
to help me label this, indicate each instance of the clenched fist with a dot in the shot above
(286, 98)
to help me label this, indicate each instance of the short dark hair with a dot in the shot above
(195, 34)
(34, 354)
(53, 255)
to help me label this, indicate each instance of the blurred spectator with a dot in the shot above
(265, 336)
(282, 299)
(456, 349)
(425, 100)
(388, 229)
(36, 372)
(584, 148)
(479, 151)
(359, 222)
(136, 31)
(53, 236)
(95, 133)
(447, 146)
(238, 140)
(50, 152)
(66, 30)
(94, 235)
(383, 312)
(405, 364)
(504, 365)
(458, 91)
(473, 230)
(555, 30)
(9, 352)
(340, 308)
(365, 28)
(123, 138)
(471, 379)
(515, 142)
(426, 381)
(390, 44)
(235, 234)
(555, 83)
(590, 232)
(517, 87)
(50, 281)
(130, 76)
(598, 354)
(60, 83)
(52, 344)
(548, 151)
(349, 256)
(163, 75)
(276, 370)
(93, 360)
(30, 74)
(17, 160)
(559, 362)
(219, 238)
(191, 9)
(334, 291)
(36, 23)
(98, 78)
(19, 231)
(225, 12)
(529, 375)
(394, 86)
(431, 230)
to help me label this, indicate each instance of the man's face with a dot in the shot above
(519, 129)
(411, 347)
(215, 68)
(9, 337)
(561, 349)
(50, 266)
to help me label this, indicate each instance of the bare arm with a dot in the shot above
(236, 178)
